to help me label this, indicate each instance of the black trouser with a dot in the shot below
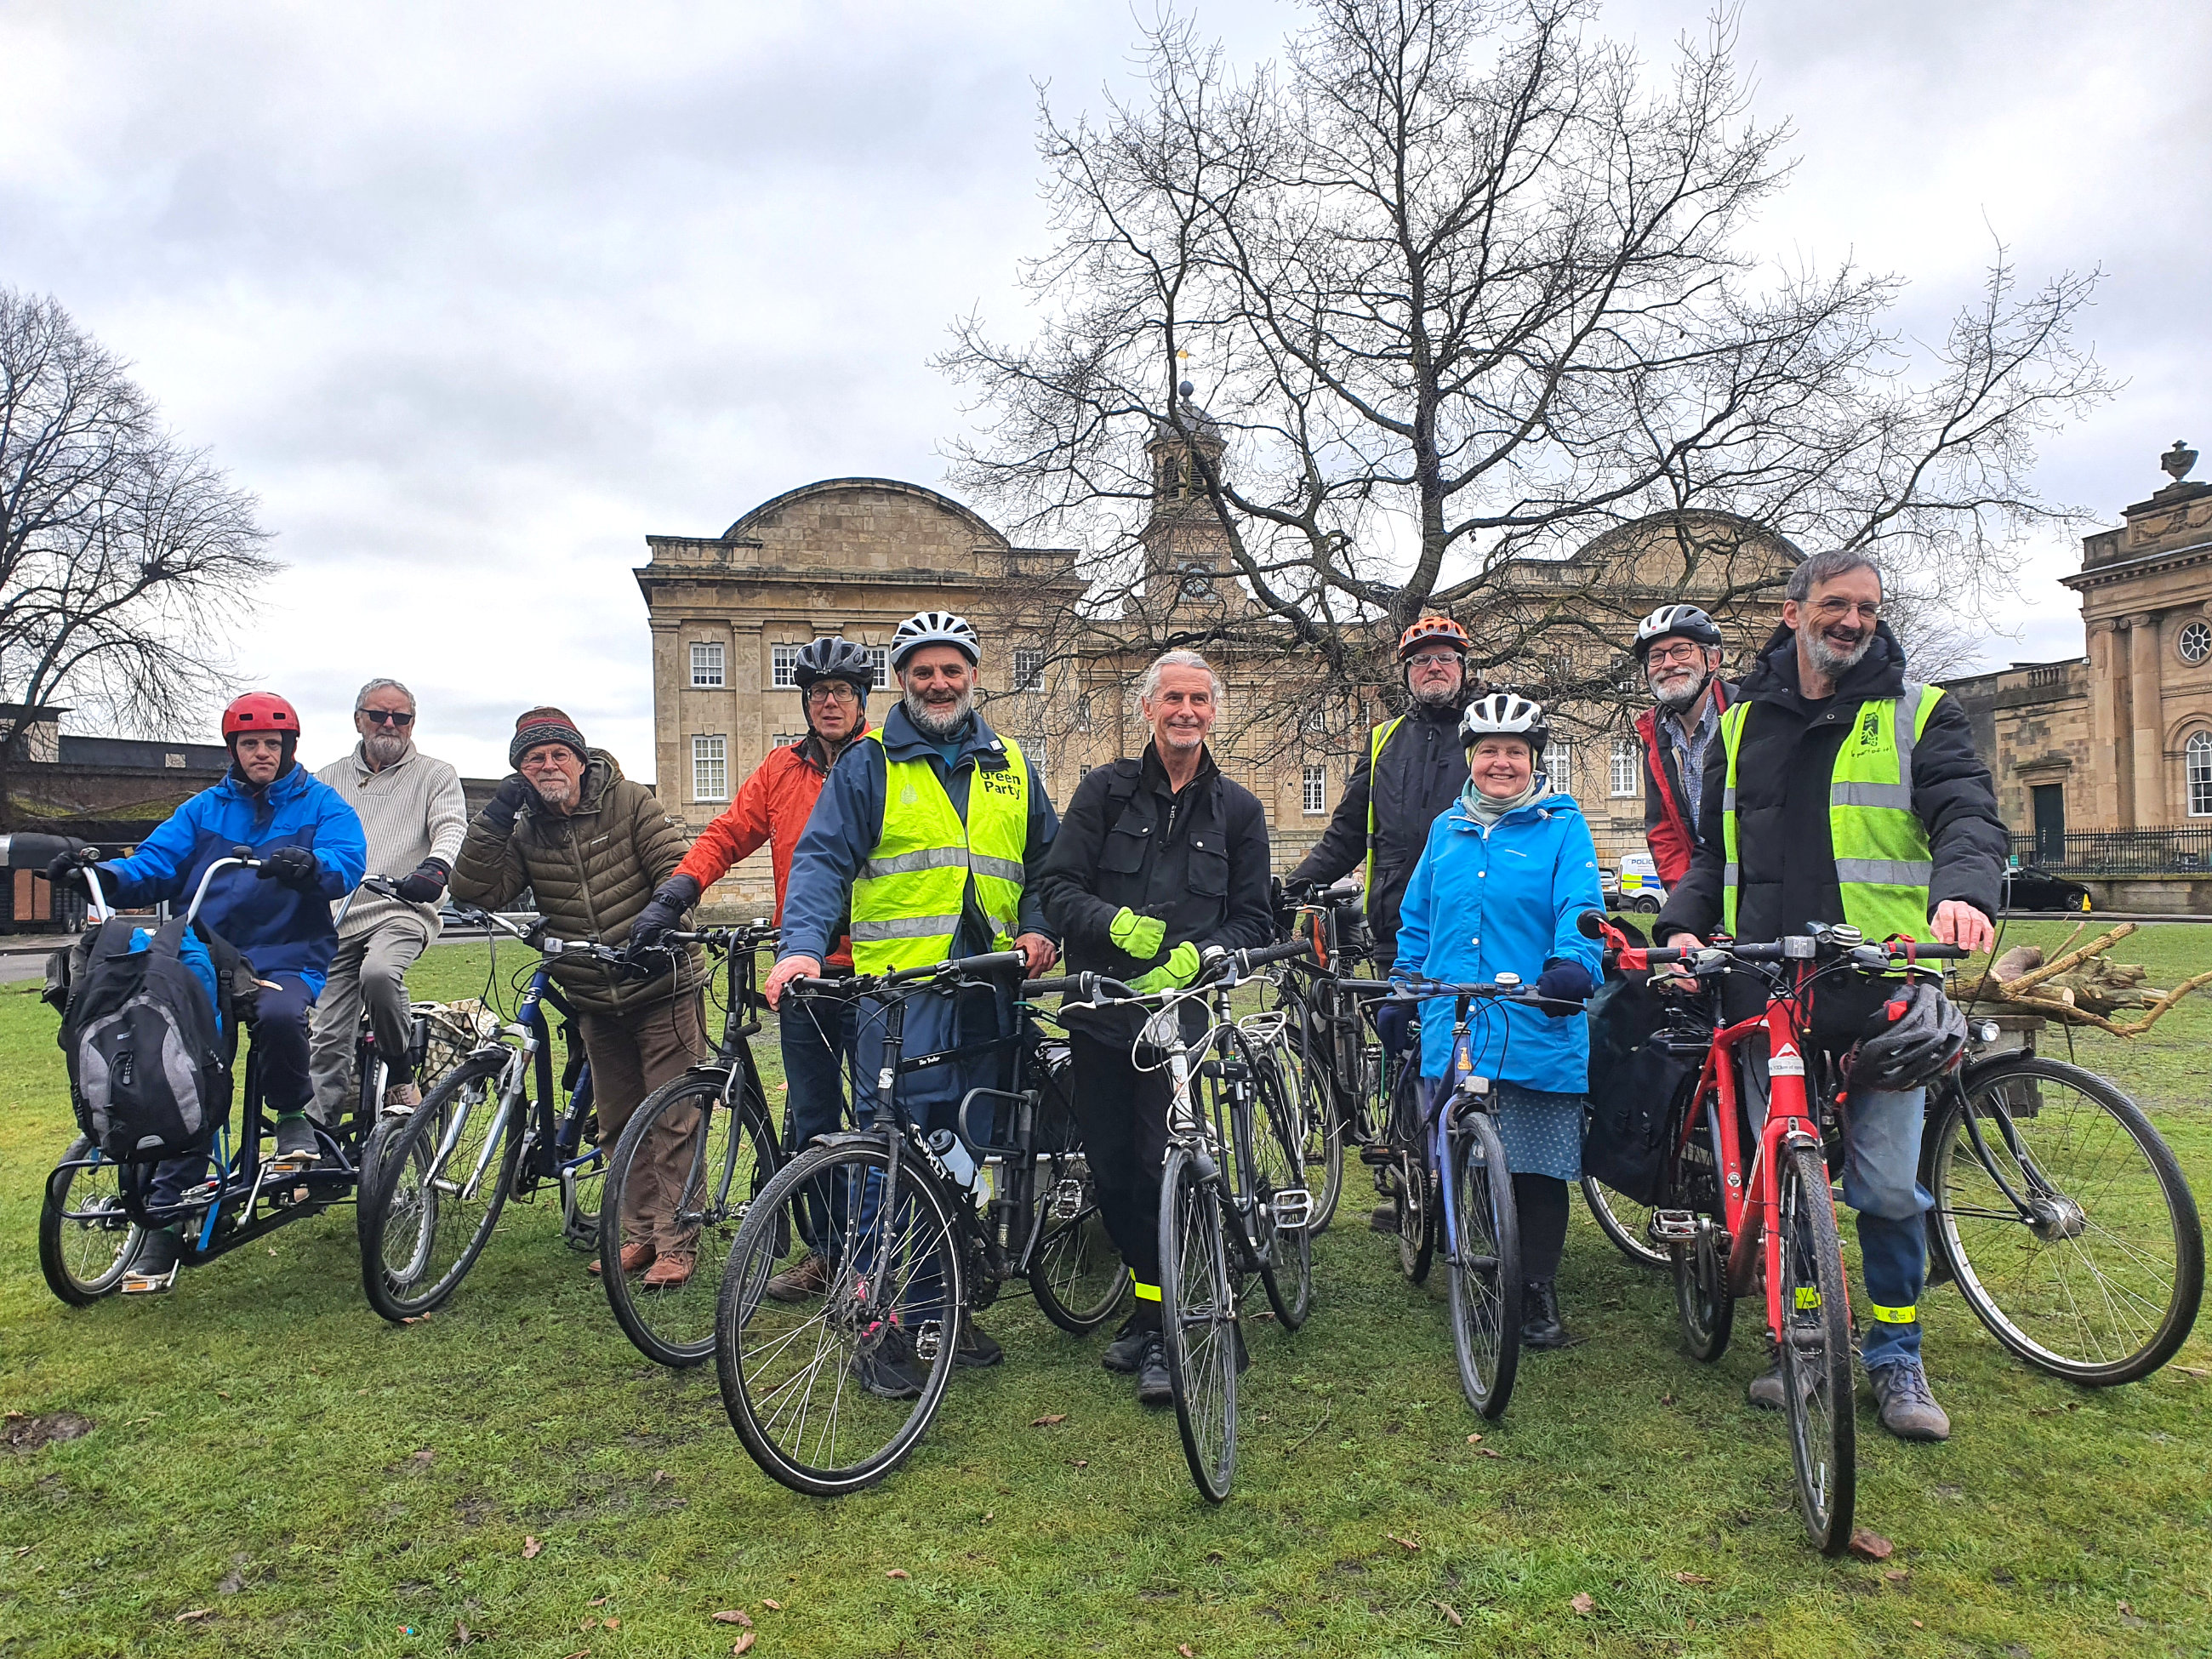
(1123, 1116)
(1540, 1204)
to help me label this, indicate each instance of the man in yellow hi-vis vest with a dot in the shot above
(1840, 792)
(929, 835)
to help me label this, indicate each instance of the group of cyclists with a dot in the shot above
(1823, 787)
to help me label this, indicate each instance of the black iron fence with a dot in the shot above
(2121, 852)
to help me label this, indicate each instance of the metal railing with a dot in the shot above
(2122, 852)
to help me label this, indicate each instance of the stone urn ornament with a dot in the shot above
(2177, 461)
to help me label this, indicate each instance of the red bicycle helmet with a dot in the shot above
(1433, 628)
(260, 711)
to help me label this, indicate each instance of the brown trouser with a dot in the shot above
(633, 1053)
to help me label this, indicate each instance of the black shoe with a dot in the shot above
(1383, 1219)
(153, 1269)
(889, 1370)
(1127, 1351)
(976, 1349)
(1154, 1387)
(1539, 1315)
(295, 1141)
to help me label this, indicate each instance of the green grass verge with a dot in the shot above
(265, 1449)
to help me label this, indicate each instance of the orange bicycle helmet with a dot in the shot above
(1433, 628)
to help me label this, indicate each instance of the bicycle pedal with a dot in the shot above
(929, 1341)
(1673, 1227)
(1376, 1158)
(148, 1284)
(1068, 1200)
(1292, 1208)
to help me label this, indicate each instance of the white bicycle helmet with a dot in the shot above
(1504, 715)
(933, 628)
(1686, 620)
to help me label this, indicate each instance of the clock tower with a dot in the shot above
(1186, 554)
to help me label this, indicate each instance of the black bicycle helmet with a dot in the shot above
(1912, 1039)
(833, 659)
(1686, 620)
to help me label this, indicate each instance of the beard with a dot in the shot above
(938, 721)
(1827, 659)
(1680, 693)
(556, 791)
(385, 745)
(1436, 697)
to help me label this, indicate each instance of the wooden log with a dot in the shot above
(2052, 969)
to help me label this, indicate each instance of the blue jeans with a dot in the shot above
(1882, 1171)
(817, 1036)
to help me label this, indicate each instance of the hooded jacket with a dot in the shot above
(1668, 830)
(1481, 902)
(590, 872)
(281, 930)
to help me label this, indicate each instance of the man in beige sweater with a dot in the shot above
(412, 808)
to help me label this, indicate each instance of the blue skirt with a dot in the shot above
(1542, 1132)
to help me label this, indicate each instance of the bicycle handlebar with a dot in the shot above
(1085, 988)
(1261, 955)
(1832, 942)
(991, 961)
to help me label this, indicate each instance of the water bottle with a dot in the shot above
(953, 1155)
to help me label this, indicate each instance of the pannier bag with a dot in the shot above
(146, 1031)
(1632, 1085)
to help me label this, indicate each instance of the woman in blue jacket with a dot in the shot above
(1507, 872)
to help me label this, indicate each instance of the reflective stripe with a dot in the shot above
(1729, 874)
(1809, 1297)
(904, 863)
(1885, 872)
(1376, 738)
(1728, 798)
(1004, 869)
(904, 928)
(1893, 1315)
(1896, 795)
(1145, 1292)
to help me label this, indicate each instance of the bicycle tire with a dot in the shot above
(1275, 1135)
(80, 1268)
(2028, 1279)
(1485, 1258)
(1322, 1152)
(1816, 1350)
(1198, 1322)
(761, 1362)
(727, 1160)
(583, 1193)
(414, 1214)
(1076, 1274)
(1625, 1222)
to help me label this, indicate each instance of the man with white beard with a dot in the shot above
(1679, 649)
(415, 815)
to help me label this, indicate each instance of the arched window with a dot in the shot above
(2196, 767)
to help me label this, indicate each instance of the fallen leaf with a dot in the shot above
(1489, 1451)
(1184, 1648)
(662, 1477)
(1046, 1421)
(611, 1624)
(1895, 1577)
(2196, 1372)
(1692, 1578)
(1078, 1462)
(1583, 1603)
(733, 1616)
(898, 1573)
(742, 1642)
(773, 1607)
(530, 1549)
(196, 1613)
(1666, 1398)
(987, 1516)
(220, 1395)
(1407, 1543)
(1474, 1439)
(581, 1653)
(1871, 1545)
(413, 1319)
(1450, 1613)
(422, 1456)
(598, 1601)
(462, 1636)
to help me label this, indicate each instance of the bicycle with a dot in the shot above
(95, 1209)
(733, 1154)
(1723, 1224)
(1339, 1062)
(445, 1169)
(912, 1249)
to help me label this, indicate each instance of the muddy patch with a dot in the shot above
(24, 1431)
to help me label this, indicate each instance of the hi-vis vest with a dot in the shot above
(1376, 740)
(1883, 861)
(906, 899)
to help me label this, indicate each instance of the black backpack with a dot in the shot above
(148, 1050)
(1633, 1083)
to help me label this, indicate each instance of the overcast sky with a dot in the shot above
(475, 297)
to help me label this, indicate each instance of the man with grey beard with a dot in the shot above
(1679, 649)
(413, 811)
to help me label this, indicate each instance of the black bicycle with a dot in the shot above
(1339, 1068)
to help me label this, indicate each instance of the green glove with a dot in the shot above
(1140, 936)
(1177, 971)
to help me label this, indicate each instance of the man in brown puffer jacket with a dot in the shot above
(592, 845)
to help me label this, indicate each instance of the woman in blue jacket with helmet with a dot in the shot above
(1508, 870)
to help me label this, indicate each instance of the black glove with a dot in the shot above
(296, 867)
(67, 873)
(1563, 981)
(425, 885)
(514, 793)
(661, 913)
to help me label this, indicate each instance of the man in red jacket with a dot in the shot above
(1679, 648)
(772, 807)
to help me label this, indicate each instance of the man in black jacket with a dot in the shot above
(1157, 860)
(1825, 709)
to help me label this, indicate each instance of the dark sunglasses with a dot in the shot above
(386, 717)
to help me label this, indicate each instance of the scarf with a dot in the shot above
(1488, 811)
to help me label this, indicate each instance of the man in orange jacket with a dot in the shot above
(772, 807)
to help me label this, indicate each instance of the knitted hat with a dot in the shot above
(545, 726)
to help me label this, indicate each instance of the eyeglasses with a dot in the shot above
(1665, 656)
(831, 691)
(386, 716)
(1834, 610)
(1431, 658)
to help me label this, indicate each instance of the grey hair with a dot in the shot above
(1150, 686)
(1825, 568)
(361, 697)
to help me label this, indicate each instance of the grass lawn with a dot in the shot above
(269, 1458)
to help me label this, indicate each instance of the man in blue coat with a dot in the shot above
(311, 851)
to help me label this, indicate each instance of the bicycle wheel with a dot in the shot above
(1311, 1078)
(2065, 1220)
(1484, 1257)
(718, 1156)
(1625, 1222)
(819, 1388)
(1198, 1322)
(1075, 1273)
(433, 1185)
(1274, 1134)
(583, 1192)
(86, 1241)
(1816, 1349)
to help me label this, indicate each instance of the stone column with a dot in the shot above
(2145, 707)
(2103, 809)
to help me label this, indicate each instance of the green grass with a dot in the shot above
(266, 1449)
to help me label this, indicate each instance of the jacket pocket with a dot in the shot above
(1124, 851)
(1208, 873)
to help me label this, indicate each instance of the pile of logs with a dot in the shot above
(2077, 987)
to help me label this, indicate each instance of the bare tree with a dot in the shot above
(125, 559)
(1466, 286)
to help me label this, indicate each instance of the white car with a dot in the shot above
(1639, 886)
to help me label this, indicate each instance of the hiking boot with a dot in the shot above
(1127, 1351)
(635, 1258)
(809, 1277)
(888, 1370)
(1766, 1391)
(976, 1349)
(402, 1098)
(1383, 1219)
(153, 1268)
(295, 1141)
(670, 1270)
(1154, 1386)
(1908, 1410)
(1539, 1315)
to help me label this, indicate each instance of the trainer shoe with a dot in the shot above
(1154, 1386)
(1908, 1409)
(1766, 1391)
(402, 1098)
(976, 1349)
(888, 1370)
(634, 1259)
(670, 1270)
(153, 1269)
(1127, 1351)
(295, 1140)
(809, 1277)
(1383, 1219)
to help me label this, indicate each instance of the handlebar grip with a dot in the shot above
(1590, 925)
(1260, 956)
(1060, 985)
(1943, 952)
(36, 852)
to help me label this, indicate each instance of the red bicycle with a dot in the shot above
(1722, 1223)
